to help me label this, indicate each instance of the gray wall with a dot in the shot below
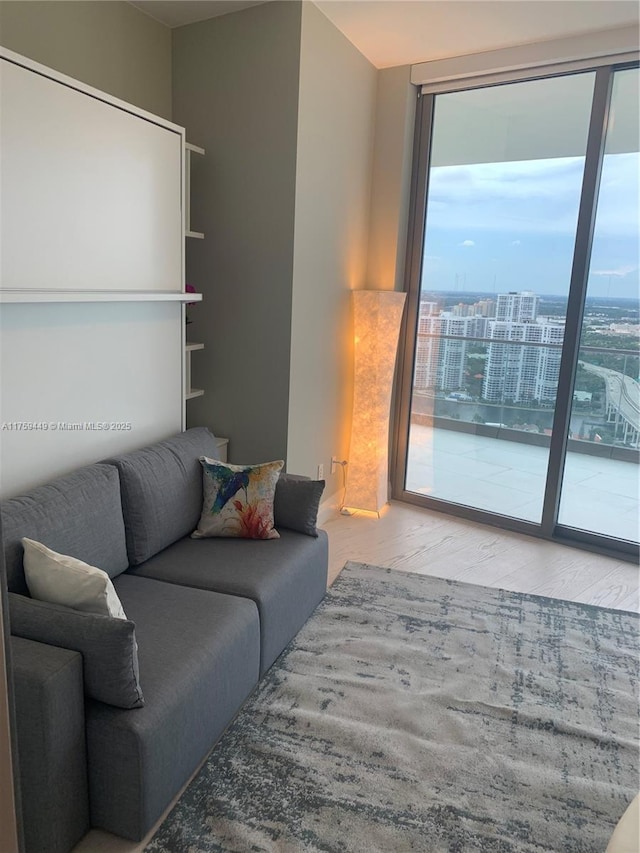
(110, 45)
(285, 107)
(333, 189)
(235, 89)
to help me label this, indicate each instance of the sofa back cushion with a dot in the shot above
(161, 489)
(79, 515)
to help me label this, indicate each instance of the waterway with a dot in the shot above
(472, 412)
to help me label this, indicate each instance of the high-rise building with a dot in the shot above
(441, 351)
(513, 372)
(518, 307)
(520, 373)
(549, 362)
(486, 308)
(427, 349)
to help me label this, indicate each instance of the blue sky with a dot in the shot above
(497, 227)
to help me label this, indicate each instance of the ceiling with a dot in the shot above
(404, 32)
(177, 13)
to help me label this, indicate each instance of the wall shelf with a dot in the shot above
(194, 392)
(96, 296)
(190, 392)
(190, 347)
(195, 148)
(190, 149)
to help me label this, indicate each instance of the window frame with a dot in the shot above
(549, 528)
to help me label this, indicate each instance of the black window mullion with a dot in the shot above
(577, 295)
(413, 273)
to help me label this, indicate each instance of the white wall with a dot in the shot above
(333, 185)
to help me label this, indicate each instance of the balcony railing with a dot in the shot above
(504, 433)
(606, 422)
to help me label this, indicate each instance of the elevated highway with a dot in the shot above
(622, 400)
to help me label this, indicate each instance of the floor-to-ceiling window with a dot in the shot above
(520, 394)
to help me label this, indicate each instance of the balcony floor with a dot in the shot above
(600, 495)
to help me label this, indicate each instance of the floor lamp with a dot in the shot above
(376, 318)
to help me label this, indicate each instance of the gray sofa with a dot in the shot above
(210, 616)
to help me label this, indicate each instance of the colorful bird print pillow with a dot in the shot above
(238, 500)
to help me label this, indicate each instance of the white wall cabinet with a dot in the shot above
(92, 236)
(91, 192)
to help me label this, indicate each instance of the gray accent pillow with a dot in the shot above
(107, 645)
(296, 503)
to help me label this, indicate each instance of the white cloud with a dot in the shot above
(533, 197)
(516, 242)
(467, 243)
(620, 272)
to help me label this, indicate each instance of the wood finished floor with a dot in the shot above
(432, 543)
(417, 540)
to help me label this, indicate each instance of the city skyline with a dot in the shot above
(505, 352)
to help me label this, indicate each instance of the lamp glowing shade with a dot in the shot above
(376, 318)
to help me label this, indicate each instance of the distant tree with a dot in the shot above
(586, 381)
(627, 364)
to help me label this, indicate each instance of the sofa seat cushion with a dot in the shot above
(198, 654)
(162, 491)
(79, 515)
(286, 577)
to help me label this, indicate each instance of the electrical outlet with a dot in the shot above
(321, 471)
(336, 461)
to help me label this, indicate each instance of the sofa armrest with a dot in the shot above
(52, 759)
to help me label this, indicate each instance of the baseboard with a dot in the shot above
(329, 507)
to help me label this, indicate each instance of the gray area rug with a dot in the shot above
(418, 714)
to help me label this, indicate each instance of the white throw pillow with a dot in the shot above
(64, 580)
(626, 837)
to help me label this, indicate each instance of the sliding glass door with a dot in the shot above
(495, 394)
(600, 484)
